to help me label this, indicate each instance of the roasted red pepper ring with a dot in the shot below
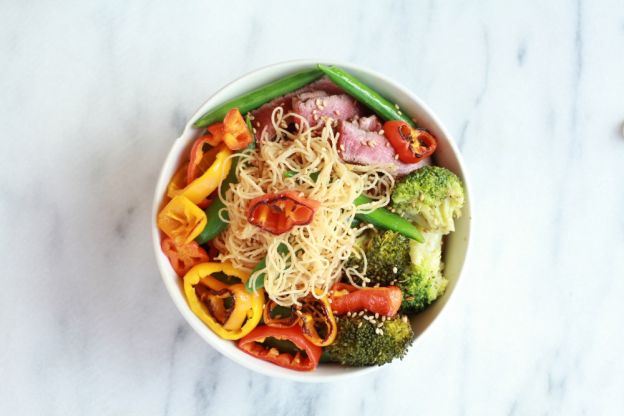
(252, 345)
(411, 144)
(385, 301)
(279, 213)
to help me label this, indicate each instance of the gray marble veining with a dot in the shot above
(93, 93)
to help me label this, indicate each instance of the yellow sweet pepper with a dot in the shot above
(208, 299)
(182, 220)
(200, 188)
(178, 182)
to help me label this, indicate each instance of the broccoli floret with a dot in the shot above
(423, 282)
(360, 342)
(427, 256)
(387, 255)
(431, 197)
(420, 289)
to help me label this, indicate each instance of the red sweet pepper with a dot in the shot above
(306, 361)
(385, 301)
(279, 213)
(183, 257)
(411, 144)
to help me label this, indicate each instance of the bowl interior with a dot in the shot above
(447, 155)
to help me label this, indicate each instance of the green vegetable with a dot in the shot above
(259, 281)
(314, 175)
(215, 225)
(387, 220)
(358, 342)
(420, 289)
(289, 173)
(387, 255)
(259, 96)
(423, 282)
(364, 94)
(431, 197)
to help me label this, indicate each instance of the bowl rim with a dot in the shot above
(180, 301)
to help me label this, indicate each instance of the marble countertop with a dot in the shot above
(92, 95)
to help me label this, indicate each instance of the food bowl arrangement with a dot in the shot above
(312, 220)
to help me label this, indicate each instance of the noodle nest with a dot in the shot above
(316, 253)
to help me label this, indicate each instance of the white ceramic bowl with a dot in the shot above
(447, 155)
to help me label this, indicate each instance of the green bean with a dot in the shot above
(259, 96)
(259, 281)
(364, 94)
(387, 220)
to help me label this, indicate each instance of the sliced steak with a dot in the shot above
(337, 107)
(364, 147)
(322, 87)
(371, 123)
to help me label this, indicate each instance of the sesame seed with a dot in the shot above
(396, 106)
(380, 324)
(342, 147)
(254, 130)
(380, 332)
(383, 318)
(297, 126)
(396, 157)
(360, 324)
(376, 315)
(387, 144)
(381, 132)
(361, 313)
(404, 318)
(400, 113)
(257, 124)
(395, 270)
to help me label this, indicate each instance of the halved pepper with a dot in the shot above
(233, 132)
(229, 310)
(385, 301)
(178, 182)
(181, 220)
(183, 257)
(314, 316)
(252, 345)
(200, 188)
(203, 154)
(279, 213)
(411, 144)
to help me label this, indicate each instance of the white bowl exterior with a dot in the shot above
(447, 155)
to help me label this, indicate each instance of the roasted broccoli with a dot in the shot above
(431, 197)
(361, 342)
(423, 282)
(388, 257)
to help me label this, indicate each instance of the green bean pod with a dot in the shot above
(259, 96)
(387, 220)
(367, 96)
(258, 283)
